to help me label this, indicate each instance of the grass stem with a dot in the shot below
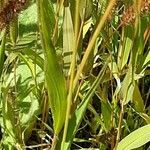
(93, 40)
(119, 126)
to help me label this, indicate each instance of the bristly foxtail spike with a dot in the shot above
(129, 14)
(10, 11)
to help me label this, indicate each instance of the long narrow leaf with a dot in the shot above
(53, 74)
(2, 52)
(68, 37)
(136, 139)
(79, 113)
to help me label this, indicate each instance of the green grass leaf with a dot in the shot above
(55, 80)
(76, 119)
(137, 100)
(135, 139)
(68, 38)
(125, 48)
(2, 51)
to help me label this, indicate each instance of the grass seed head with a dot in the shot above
(129, 14)
(11, 11)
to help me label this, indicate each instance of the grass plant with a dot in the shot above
(74, 74)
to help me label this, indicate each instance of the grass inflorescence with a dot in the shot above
(10, 11)
(129, 14)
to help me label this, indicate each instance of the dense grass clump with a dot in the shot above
(74, 74)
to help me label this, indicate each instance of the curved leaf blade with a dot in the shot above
(135, 139)
(80, 111)
(54, 77)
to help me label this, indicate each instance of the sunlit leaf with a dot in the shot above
(135, 139)
(55, 81)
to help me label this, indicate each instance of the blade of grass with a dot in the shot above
(68, 37)
(72, 74)
(14, 31)
(76, 118)
(54, 78)
(32, 54)
(136, 139)
(2, 51)
(125, 47)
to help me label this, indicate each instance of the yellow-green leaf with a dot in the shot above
(54, 78)
(135, 139)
